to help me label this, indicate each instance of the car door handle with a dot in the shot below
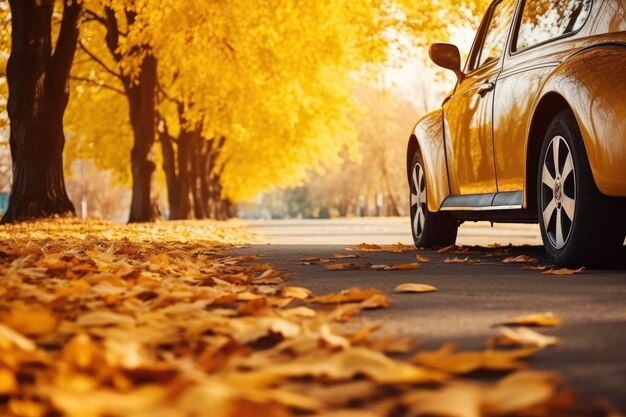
(485, 88)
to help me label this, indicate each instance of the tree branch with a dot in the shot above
(99, 61)
(61, 60)
(96, 83)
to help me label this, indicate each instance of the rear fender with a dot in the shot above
(593, 83)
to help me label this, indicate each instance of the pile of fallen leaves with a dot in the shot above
(158, 320)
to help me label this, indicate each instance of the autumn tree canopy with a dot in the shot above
(240, 97)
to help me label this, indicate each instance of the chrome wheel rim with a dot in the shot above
(558, 192)
(418, 201)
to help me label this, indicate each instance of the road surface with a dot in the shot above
(471, 298)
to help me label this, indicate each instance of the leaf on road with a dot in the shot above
(520, 391)
(345, 256)
(349, 265)
(520, 259)
(399, 267)
(447, 360)
(548, 319)
(296, 292)
(366, 247)
(348, 296)
(453, 249)
(524, 336)
(395, 248)
(535, 267)
(312, 261)
(457, 260)
(418, 288)
(399, 248)
(422, 259)
(564, 271)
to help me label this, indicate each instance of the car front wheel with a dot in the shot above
(429, 229)
(580, 226)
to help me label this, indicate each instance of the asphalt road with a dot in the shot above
(471, 298)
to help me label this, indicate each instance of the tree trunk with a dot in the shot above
(142, 104)
(38, 96)
(198, 170)
(169, 168)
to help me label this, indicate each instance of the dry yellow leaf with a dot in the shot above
(520, 259)
(453, 249)
(8, 382)
(422, 259)
(345, 256)
(456, 260)
(564, 271)
(535, 267)
(526, 337)
(411, 287)
(519, 392)
(346, 266)
(296, 292)
(446, 359)
(454, 400)
(348, 296)
(30, 320)
(548, 319)
(312, 261)
(368, 247)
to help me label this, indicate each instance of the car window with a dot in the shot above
(497, 31)
(543, 20)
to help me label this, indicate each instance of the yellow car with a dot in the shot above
(534, 131)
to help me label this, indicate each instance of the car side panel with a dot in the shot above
(429, 136)
(593, 83)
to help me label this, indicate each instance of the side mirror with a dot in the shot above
(447, 56)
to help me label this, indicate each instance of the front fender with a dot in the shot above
(428, 138)
(593, 84)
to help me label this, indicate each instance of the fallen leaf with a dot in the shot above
(345, 256)
(312, 261)
(453, 400)
(520, 259)
(367, 247)
(296, 292)
(347, 266)
(421, 258)
(446, 359)
(104, 318)
(456, 260)
(564, 271)
(399, 248)
(524, 336)
(347, 296)
(8, 382)
(30, 320)
(410, 287)
(405, 267)
(453, 249)
(548, 319)
(520, 392)
(535, 267)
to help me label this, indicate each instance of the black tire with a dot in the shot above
(591, 224)
(433, 229)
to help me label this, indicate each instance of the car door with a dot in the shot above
(469, 112)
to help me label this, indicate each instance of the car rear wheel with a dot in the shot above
(580, 226)
(429, 229)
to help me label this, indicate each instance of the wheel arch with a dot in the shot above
(428, 138)
(548, 107)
